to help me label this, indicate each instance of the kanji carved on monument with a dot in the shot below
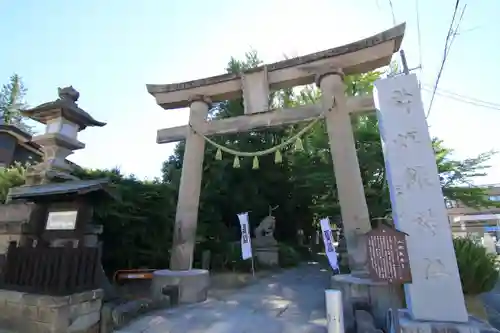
(388, 255)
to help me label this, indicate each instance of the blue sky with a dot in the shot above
(109, 50)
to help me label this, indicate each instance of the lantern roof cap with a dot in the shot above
(66, 107)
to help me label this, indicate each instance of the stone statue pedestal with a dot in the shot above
(267, 255)
(362, 293)
(192, 284)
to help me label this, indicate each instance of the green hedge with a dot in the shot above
(478, 269)
(288, 255)
(138, 227)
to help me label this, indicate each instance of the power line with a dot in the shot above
(419, 38)
(466, 100)
(450, 37)
(486, 106)
(392, 12)
(457, 96)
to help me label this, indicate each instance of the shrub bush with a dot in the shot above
(288, 255)
(478, 269)
(138, 227)
(10, 177)
(304, 252)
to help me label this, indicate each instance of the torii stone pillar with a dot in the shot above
(351, 195)
(190, 187)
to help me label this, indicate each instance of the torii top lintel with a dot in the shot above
(357, 57)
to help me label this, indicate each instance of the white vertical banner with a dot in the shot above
(328, 241)
(246, 246)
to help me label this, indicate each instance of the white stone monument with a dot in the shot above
(417, 202)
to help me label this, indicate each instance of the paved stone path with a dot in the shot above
(291, 302)
(491, 301)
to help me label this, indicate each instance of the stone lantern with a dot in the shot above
(63, 119)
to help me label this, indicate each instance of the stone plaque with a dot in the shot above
(61, 220)
(255, 88)
(388, 255)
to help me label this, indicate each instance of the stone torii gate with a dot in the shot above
(434, 298)
(327, 69)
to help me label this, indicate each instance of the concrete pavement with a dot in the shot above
(491, 301)
(291, 302)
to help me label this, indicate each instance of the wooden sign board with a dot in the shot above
(61, 220)
(388, 255)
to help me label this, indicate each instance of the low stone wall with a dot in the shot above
(31, 313)
(13, 217)
(17, 211)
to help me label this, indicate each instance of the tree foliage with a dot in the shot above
(10, 177)
(138, 228)
(304, 184)
(12, 101)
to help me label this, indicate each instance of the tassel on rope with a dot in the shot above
(277, 157)
(236, 162)
(255, 164)
(218, 155)
(298, 145)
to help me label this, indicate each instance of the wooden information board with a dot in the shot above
(61, 220)
(388, 255)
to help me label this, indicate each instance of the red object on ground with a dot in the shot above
(133, 274)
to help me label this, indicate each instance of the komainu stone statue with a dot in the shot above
(264, 233)
(264, 243)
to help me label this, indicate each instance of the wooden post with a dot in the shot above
(355, 217)
(190, 186)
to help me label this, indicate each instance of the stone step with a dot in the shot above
(117, 314)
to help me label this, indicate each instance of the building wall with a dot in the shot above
(7, 147)
(459, 209)
(477, 227)
(15, 146)
(23, 155)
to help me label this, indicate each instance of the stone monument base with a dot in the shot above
(192, 285)
(402, 322)
(365, 294)
(268, 256)
(33, 313)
